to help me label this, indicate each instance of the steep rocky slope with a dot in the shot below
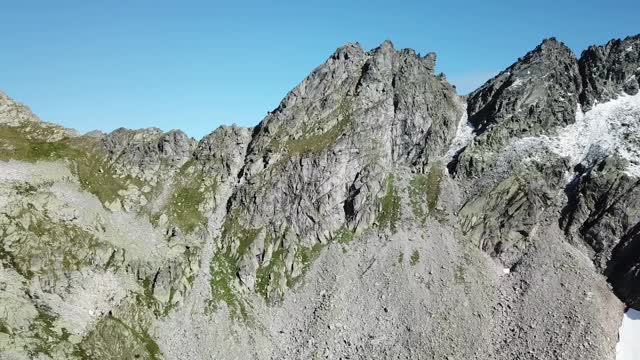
(373, 214)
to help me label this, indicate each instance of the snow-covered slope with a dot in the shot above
(464, 135)
(629, 345)
(608, 128)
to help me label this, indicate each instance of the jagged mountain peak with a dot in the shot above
(350, 87)
(610, 70)
(347, 51)
(551, 44)
(533, 96)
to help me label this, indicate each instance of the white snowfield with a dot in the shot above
(464, 134)
(614, 126)
(628, 347)
(610, 127)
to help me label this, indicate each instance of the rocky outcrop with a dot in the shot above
(610, 70)
(13, 112)
(604, 213)
(222, 152)
(504, 219)
(144, 153)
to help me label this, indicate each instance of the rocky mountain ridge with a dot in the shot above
(373, 214)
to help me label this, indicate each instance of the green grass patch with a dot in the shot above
(145, 298)
(223, 275)
(314, 139)
(25, 143)
(270, 276)
(314, 142)
(4, 328)
(113, 338)
(389, 205)
(184, 205)
(224, 266)
(305, 256)
(459, 274)
(60, 246)
(415, 258)
(344, 235)
(47, 337)
(434, 182)
(86, 160)
(424, 192)
(234, 231)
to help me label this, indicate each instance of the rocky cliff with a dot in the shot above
(373, 214)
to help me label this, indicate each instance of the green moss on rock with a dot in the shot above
(84, 156)
(415, 258)
(223, 276)
(316, 141)
(424, 192)
(113, 338)
(184, 207)
(53, 245)
(389, 206)
(270, 275)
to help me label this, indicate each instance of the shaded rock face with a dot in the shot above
(604, 213)
(333, 228)
(536, 93)
(610, 70)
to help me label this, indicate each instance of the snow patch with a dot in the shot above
(608, 128)
(464, 134)
(628, 347)
(517, 83)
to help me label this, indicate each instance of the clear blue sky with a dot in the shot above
(197, 65)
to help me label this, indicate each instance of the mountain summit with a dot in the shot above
(373, 214)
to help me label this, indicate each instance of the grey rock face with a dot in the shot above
(504, 219)
(319, 161)
(14, 115)
(601, 207)
(535, 94)
(610, 70)
(223, 151)
(144, 152)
